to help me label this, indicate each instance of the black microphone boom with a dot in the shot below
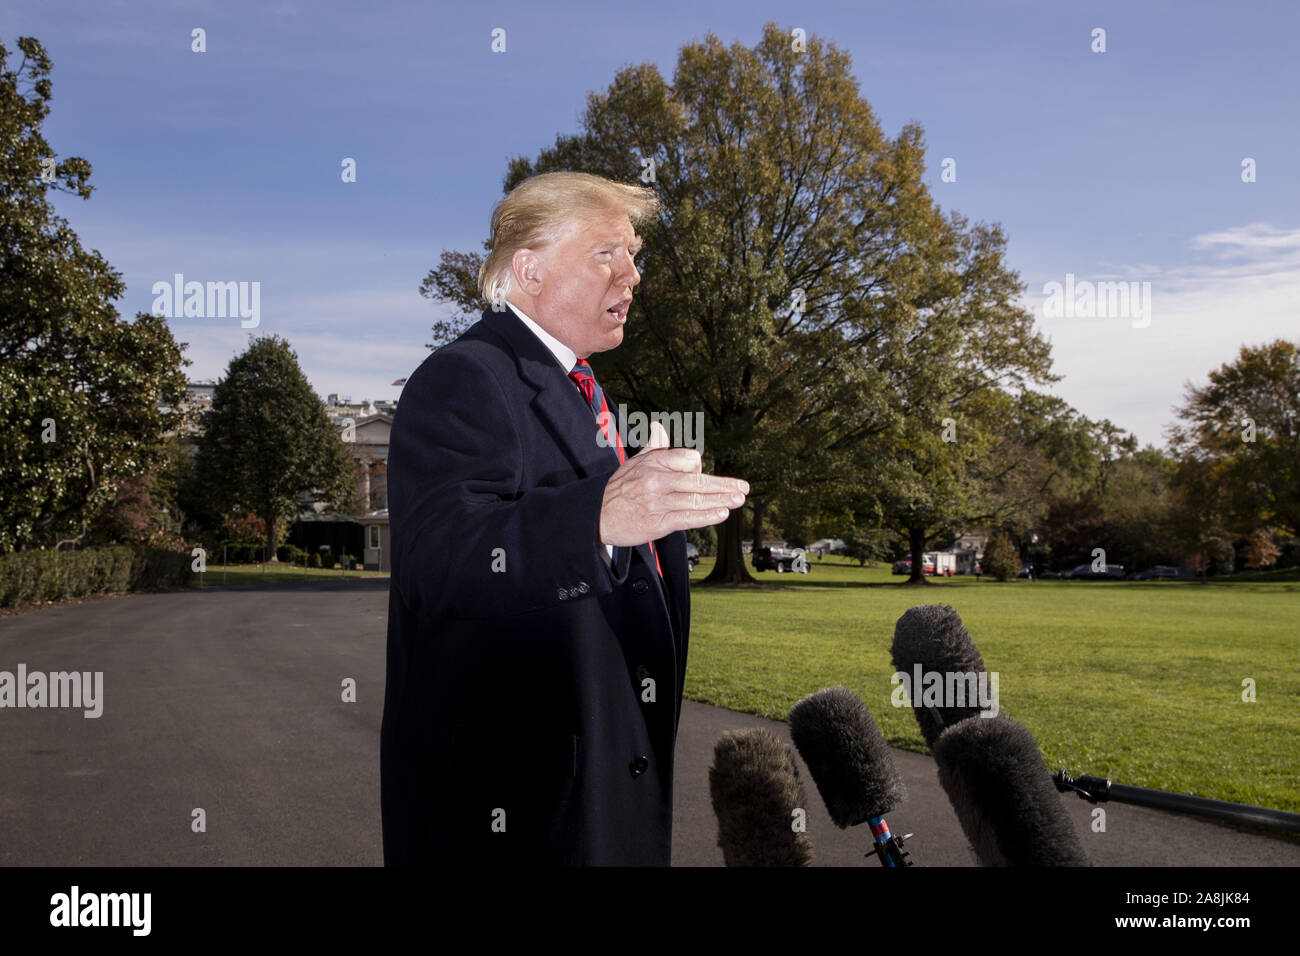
(1003, 794)
(1101, 790)
(754, 783)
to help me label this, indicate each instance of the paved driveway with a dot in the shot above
(230, 701)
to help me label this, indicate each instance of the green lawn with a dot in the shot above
(1141, 682)
(277, 573)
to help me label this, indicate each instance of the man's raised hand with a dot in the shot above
(662, 490)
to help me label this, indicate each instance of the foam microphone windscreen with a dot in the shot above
(846, 755)
(754, 783)
(1004, 796)
(932, 639)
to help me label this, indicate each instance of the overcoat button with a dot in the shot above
(639, 586)
(562, 594)
(574, 592)
(583, 587)
(639, 766)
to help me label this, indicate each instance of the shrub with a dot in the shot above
(291, 554)
(1001, 559)
(32, 577)
(314, 560)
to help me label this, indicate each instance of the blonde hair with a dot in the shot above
(543, 209)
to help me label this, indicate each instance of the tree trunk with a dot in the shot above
(916, 546)
(760, 507)
(730, 565)
(270, 540)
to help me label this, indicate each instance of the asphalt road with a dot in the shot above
(230, 701)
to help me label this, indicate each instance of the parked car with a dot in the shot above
(1084, 572)
(692, 555)
(1026, 570)
(780, 560)
(1157, 572)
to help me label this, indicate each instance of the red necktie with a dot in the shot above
(585, 379)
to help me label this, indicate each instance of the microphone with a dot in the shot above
(1004, 795)
(931, 639)
(850, 763)
(755, 787)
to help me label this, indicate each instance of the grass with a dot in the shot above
(278, 573)
(1141, 682)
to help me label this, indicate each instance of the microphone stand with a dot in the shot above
(888, 848)
(1100, 790)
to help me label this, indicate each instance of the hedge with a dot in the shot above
(32, 577)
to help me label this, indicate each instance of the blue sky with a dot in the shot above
(1122, 165)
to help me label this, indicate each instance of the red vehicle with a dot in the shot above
(905, 566)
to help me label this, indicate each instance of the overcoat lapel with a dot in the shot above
(558, 403)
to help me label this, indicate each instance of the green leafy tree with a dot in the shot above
(976, 466)
(1070, 443)
(1198, 514)
(704, 539)
(267, 439)
(868, 544)
(1244, 425)
(1140, 503)
(921, 484)
(800, 278)
(81, 388)
(1092, 488)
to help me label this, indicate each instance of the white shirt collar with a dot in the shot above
(563, 354)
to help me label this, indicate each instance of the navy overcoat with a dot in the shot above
(533, 691)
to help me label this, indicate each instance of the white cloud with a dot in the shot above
(1237, 286)
(1257, 238)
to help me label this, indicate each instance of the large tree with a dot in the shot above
(84, 391)
(1141, 502)
(1198, 515)
(1244, 427)
(974, 467)
(801, 286)
(267, 439)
